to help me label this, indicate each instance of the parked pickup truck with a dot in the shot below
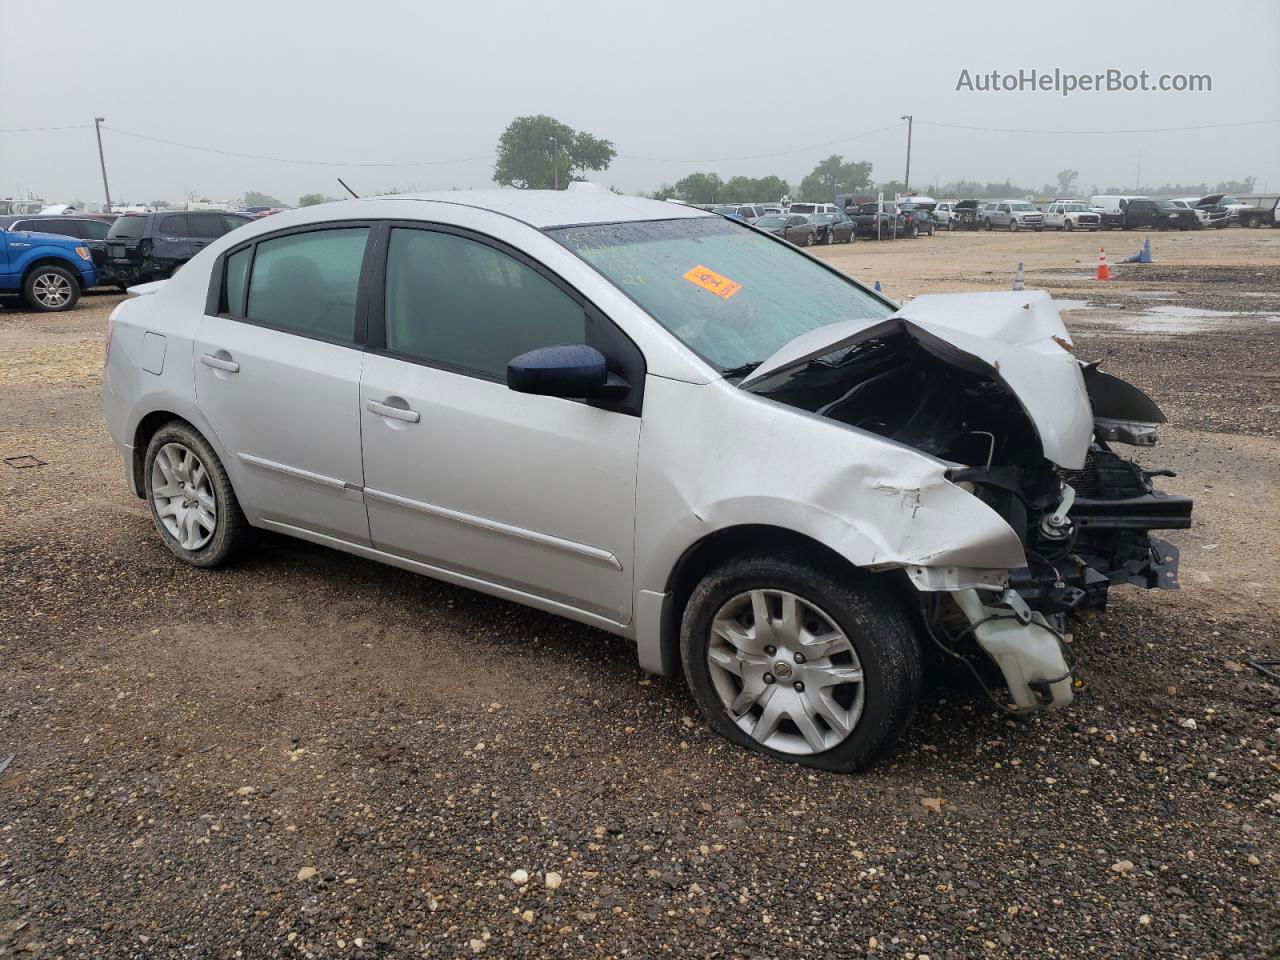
(1259, 216)
(48, 271)
(1013, 215)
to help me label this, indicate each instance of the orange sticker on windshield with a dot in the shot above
(709, 280)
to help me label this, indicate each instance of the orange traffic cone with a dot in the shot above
(1103, 272)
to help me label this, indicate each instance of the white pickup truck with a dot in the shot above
(1072, 215)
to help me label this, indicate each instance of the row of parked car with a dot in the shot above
(853, 216)
(805, 224)
(49, 260)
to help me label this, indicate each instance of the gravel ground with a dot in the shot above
(312, 755)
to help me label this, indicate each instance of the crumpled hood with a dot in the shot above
(1016, 337)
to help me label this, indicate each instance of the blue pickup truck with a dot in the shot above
(48, 271)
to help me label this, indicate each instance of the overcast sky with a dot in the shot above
(675, 86)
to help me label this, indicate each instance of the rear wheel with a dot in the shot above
(50, 289)
(800, 661)
(191, 499)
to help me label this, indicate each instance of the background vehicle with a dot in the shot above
(545, 441)
(48, 271)
(834, 227)
(90, 228)
(1215, 215)
(1258, 216)
(965, 215)
(1175, 216)
(1136, 213)
(1227, 202)
(1112, 207)
(792, 227)
(747, 213)
(1071, 215)
(807, 209)
(152, 246)
(943, 214)
(1013, 215)
(917, 218)
(878, 220)
(1201, 215)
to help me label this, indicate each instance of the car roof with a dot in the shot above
(560, 208)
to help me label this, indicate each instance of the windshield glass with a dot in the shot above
(802, 208)
(728, 293)
(822, 218)
(1023, 206)
(128, 228)
(724, 211)
(1075, 208)
(771, 221)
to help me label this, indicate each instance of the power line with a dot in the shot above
(762, 156)
(314, 163)
(1208, 126)
(78, 126)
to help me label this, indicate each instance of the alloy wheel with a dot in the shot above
(182, 496)
(785, 672)
(51, 290)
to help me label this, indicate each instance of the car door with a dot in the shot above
(205, 228)
(533, 494)
(277, 371)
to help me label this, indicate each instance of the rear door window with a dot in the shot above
(206, 226)
(174, 225)
(307, 283)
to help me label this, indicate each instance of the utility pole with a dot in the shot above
(102, 162)
(555, 158)
(906, 180)
(1138, 183)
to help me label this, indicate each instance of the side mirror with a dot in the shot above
(572, 370)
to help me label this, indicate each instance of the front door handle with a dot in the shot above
(218, 363)
(395, 413)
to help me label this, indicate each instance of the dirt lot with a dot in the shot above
(311, 755)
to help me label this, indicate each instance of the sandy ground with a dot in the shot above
(312, 755)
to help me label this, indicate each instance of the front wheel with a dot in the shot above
(50, 289)
(1013, 226)
(800, 661)
(1068, 225)
(829, 238)
(808, 239)
(191, 499)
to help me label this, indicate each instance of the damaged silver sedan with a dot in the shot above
(665, 424)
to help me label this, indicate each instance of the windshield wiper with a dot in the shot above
(742, 370)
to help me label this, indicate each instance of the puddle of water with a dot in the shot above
(1065, 305)
(1175, 319)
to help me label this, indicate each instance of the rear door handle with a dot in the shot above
(209, 360)
(395, 413)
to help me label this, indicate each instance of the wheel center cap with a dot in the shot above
(782, 670)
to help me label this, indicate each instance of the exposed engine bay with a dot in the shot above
(1084, 516)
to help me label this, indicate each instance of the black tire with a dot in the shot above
(808, 239)
(1013, 225)
(951, 225)
(1068, 225)
(38, 284)
(986, 225)
(869, 616)
(830, 237)
(231, 532)
(913, 231)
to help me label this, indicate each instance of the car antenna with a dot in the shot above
(348, 189)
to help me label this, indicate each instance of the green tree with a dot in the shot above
(1067, 181)
(311, 199)
(252, 198)
(664, 192)
(700, 188)
(833, 176)
(536, 153)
